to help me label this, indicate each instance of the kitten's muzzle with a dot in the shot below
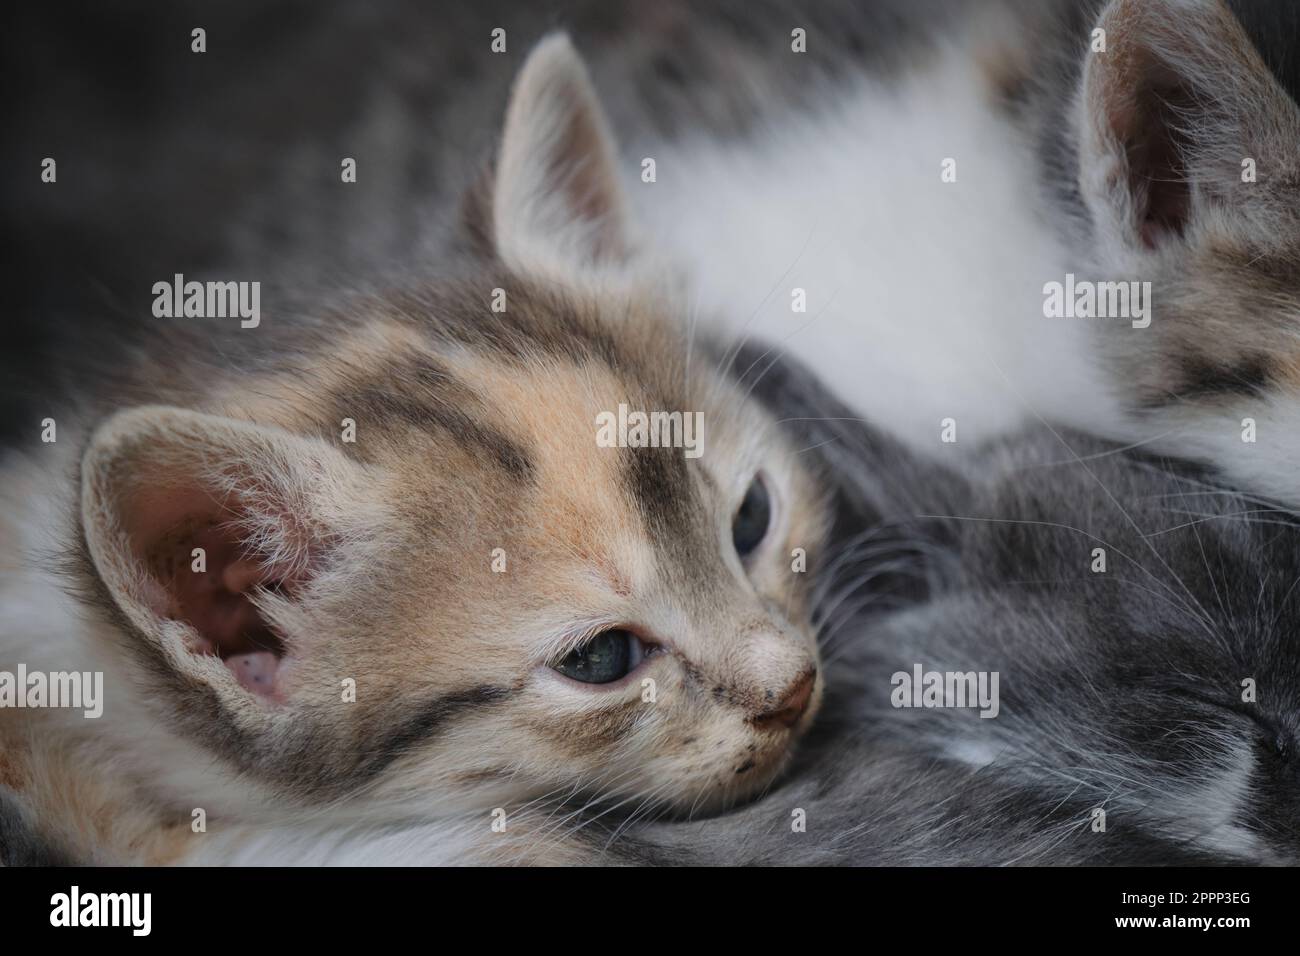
(790, 707)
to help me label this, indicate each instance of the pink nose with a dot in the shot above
(791, 706)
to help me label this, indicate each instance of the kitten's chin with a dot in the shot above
(721, 796)
(755, 766)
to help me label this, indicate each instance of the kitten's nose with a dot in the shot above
(791, 706)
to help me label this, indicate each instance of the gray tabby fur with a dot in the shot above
(1119, 690)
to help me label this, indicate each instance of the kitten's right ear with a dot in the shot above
(553, 203)
(205, 530)
(1169, 111)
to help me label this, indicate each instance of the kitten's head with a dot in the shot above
(1189, 165)
(406, 561)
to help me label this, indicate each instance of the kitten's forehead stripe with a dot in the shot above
(659, 481)
(421, 394)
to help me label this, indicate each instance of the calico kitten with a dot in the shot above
(369, 565)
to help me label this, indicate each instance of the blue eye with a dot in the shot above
(749, 526)
(604, 659)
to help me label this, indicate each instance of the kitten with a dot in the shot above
(924, 211)
(370, 565)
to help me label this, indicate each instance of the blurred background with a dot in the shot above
(176, 161)
(171, 161)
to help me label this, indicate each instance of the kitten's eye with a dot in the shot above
(603, 659)
(752, 518)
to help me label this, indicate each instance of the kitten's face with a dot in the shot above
(623, 619)
(422, 573)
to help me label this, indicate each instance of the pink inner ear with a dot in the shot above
(216, 603)
(165, 526)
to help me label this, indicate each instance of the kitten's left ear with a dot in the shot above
(1169, 113)
(555, 201)
(206, 532)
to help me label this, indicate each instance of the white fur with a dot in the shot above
(924, 297)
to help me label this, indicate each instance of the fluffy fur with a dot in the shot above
(1122, 691)
(925, 297)
(924, 303)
